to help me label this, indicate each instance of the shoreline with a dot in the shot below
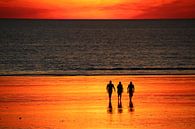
(77, 75)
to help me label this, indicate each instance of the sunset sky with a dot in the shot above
(97, 9)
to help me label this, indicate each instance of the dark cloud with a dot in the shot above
(21, 12)
(6, 1)
(176, 9)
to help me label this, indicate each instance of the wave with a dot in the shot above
(169, 68)
(105, 71)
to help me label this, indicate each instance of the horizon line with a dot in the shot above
(103, 19)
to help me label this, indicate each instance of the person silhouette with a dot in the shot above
(130, 90)
(119, 91)
(109, 89)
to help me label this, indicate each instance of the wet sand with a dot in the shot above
(72, 102)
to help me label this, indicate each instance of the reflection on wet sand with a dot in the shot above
(131, 107)
(110, 109)
(120, 107)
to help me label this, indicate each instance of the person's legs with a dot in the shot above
(120, 97)
(110, 95)
(130, 97)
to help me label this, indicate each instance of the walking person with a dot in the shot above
(130, 90)
(119, 91)
(110, 87)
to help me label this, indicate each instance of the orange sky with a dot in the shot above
(97, 9)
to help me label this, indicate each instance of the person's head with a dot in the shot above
(119, 82)
(130, 82)
(110, 81)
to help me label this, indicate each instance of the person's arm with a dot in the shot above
(113, 88)
(128, 89)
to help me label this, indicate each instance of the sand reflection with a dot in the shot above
(131, 107)
(120, 107)
(110, 108)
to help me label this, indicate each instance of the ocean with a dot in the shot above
(96, 47)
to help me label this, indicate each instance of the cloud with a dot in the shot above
(175, 9)
(152, 9)
(124, 9)
(32, 13)
(21, 12)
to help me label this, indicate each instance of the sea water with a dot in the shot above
(97, 47)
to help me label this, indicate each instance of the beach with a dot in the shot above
(72, 102)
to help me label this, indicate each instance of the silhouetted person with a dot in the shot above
(130, 90)
(110, 88)
(119, 91)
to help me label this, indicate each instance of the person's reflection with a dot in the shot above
(131, 107)
(110, 109)
(120, 107)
